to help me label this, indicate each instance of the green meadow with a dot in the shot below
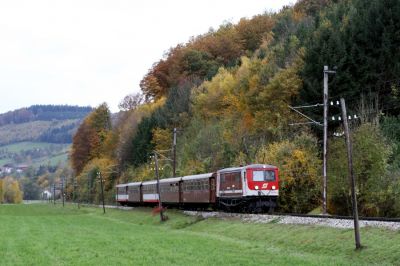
(44, 234)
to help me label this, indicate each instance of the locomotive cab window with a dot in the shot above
(264, 175)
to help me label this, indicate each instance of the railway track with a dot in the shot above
(293, 218)
(344, 222)
(378, 219)
(340, 217)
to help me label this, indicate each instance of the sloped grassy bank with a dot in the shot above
(43, 234)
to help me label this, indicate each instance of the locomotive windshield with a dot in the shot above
(261, 175)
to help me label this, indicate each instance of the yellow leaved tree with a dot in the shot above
(12, 192)
(299, 167)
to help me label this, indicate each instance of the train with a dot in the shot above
(252, 188)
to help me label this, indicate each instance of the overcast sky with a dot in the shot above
(86, 52)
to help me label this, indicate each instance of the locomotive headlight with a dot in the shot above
(256, 187)
(273, 187)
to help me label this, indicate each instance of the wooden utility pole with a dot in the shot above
(162, 217)
(54, 193)
(174, 153)
(102, 190)
(116, 196)
(75, 184)
(62, 190)
(351, 174)
(88, 189)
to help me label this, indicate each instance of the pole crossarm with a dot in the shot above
(309, 118)
(308, 106)
(164, 158)
(299, 124)
(329, 71)
(159, 151)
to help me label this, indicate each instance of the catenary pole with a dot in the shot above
(62, 190)
(351, 174)
(324, 170)
(325, 138)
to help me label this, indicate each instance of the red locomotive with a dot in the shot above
(251, 188)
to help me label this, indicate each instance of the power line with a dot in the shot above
(308, 106)
(309, 118)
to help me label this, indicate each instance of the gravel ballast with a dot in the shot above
(263, 218)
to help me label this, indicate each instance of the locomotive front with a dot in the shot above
(262, 180)
(262, 187)
(251, 188)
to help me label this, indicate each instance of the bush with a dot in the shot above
(375, 186)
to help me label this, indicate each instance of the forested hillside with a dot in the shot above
(43, 123)
(43, 113)
(228, 93)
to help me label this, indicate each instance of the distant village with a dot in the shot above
(10, 168)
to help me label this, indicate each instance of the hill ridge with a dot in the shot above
(44, 113)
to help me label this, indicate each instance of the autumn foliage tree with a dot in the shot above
(10, 190)
(89, 139)
(202, 56)
(131, 102)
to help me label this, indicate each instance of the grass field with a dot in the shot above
(56, 159)
(41, 234)
(26, 145)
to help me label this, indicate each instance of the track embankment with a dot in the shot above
(344, 223)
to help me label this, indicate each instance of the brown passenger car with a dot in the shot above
(149, 191)
(169, 189)
(198, 188)
(134, 192)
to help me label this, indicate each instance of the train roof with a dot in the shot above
(201, 176)
(231, 169)
(152, 182)
(171, 180)
(121, 185)
(134, 184)
(260, 166)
